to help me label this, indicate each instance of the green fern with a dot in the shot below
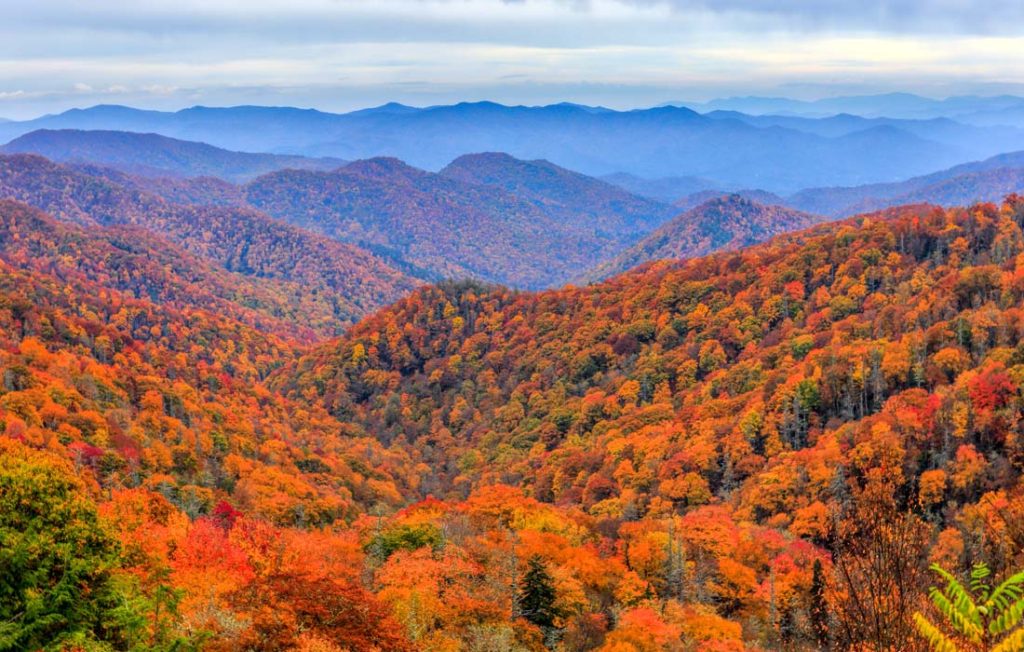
(976, 616)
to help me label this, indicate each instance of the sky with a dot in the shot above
(340, 55)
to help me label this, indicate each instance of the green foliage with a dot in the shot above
(56, 561)
(404, 537)
(536, 597)
(801, 346)
(976, 615)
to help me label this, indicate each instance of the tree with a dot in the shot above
(976, 616)
(57, 562)
(281, 608)
(879, 564)
(536, 597)
(818, 610)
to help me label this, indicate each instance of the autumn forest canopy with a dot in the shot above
(325, 403)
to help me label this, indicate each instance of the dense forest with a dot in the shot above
(444, 225)
(754, 450)
(338, 282)
(721, 223)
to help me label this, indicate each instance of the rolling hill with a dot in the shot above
(152, 155)
(140, 265)
(758, 196)
(337, 282)
(766, 412)
(562, 193)
(490, 217)
(439, 226)
(724, 223)
(986, 180)
(665, 189)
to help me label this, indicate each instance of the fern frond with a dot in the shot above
(958, 599)
(955, 616)
(1012, 643)
(979, 574)
(1007, 618)
(937, 641)
(1010, 590)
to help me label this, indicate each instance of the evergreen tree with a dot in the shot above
(57, 588)
(819, 607)
(536, 597)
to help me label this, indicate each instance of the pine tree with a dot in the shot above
(58, 586)
(819, 607)
(536, 597)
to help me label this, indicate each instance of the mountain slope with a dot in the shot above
(724, 223)
(562, 193)
(154, 155)
(139, 264)
(437, 225)
(710, 454)
(342, 282)
(200, 191)
(135, 365)
(665, 189)
(986, 180)
(966, 137)
(854, 385)
(757, 196)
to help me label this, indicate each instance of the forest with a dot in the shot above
(764, 449)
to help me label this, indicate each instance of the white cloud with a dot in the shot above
(345, 53)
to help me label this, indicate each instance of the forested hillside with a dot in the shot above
(440, 226)
(759, 449)
(724, 222)
(568, 195)
(743, 438)
(336, 283)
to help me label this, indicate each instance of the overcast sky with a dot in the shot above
(345, 54)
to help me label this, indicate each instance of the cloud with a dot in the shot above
(338, 54)
(889, 16)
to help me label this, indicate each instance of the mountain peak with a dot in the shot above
(382, 166)
(722, 223)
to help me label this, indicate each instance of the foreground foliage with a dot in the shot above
(755, 450)
(979, 616)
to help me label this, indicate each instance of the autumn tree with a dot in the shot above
(535, 600)
(880, 570)
(284, 609)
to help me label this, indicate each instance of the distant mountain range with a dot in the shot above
(490, 216)
(153, 155)
(988, 180)
(731, 151)
(528, 224)
(969, 109)
(666, 189)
